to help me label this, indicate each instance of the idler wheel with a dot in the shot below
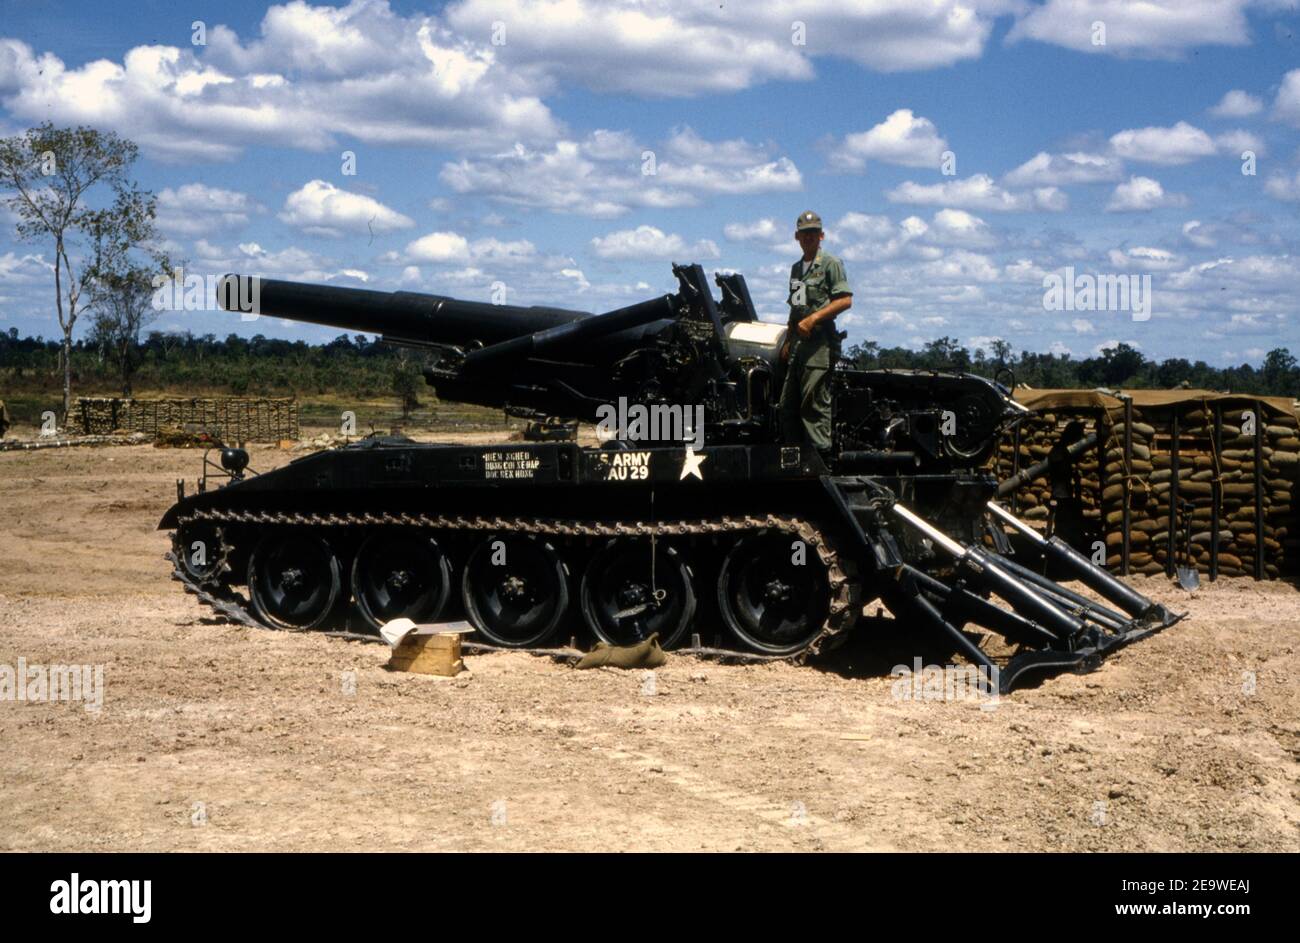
(774, 603)
(294, 580)
(400, 575)
(625, 598)
(515, 589)
(201, 552)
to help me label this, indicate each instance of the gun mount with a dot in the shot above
(682, 348)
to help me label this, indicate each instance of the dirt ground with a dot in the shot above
(215, 737)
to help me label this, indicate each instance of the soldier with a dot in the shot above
(4, 419)
(1067, 488)
(819, 290)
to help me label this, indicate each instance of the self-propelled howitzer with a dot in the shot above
(718, 530)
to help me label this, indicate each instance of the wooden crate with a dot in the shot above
(430, 650)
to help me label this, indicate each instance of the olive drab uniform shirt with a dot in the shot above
(806, 396)
(824, 280)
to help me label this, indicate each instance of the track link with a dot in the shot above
(842, 615)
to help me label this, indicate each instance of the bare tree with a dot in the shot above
(70, 185)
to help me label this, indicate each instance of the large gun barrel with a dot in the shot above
(1075, 449)
(399, 316)
(554, 361)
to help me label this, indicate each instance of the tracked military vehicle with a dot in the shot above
(716, 536)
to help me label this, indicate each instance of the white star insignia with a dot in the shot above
(691, 466)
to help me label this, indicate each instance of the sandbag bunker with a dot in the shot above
(1163, 478)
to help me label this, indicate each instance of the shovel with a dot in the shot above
(1189, 578)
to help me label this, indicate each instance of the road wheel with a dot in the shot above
(515, 589)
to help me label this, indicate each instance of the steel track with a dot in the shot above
(845, 590)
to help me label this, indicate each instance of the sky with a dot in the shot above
(960, 153)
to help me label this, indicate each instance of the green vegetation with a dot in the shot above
(1116, 367)
(383, 385)
(380, 384)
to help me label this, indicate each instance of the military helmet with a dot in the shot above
(808, 220)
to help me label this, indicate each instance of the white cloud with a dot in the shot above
(575, 275)
(1154, 28)
(1044, 169)
(320, 208)
(648, 242)
(494, 250)
(877, 238)
(978, 192)
(1180, 144)
(569, 178)
(1286, 107)
(761, 230)
(959, 228)
(685, 145)
(768, 177)
(871, 238)
(1082, 326)
(563, 179)
(603, 144)
(313, 74)
(1050, 199)
(864, 224)
(676, 49)
(29, 269)
(291, 263)
(196, 208)
(1141, 194)
(439, 247)
(452, 247)
(901, 139)
(1237, 104)
(768, 233)
(1025, 270)
(1232, 143)
(1145, 258)
(1197, 234)
(1283, 187)
(960, 266)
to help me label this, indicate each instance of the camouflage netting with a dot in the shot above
(1249, 479)
(231, 419)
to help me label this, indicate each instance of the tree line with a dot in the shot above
(357, 366)
(185, 362)
(1121, 366)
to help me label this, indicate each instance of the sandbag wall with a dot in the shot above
(1228, 464)
(234, 419)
